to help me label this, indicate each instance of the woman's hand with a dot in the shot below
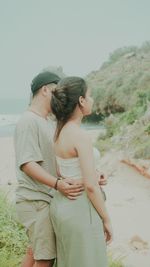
(108, 231)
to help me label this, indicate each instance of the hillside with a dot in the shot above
(122, 81)
(121, 90)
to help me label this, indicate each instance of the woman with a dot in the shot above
(82, 226)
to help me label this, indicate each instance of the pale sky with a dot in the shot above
(78, 35)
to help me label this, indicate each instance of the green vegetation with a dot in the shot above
(128, 132)
(115, 263)
(12, 236)
(147, 130)
(124, 78)
(121, 90)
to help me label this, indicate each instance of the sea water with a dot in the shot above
(8, 123)
(10, 112)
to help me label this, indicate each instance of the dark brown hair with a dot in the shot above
(65, 99)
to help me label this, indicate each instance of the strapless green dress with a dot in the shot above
(78, 227)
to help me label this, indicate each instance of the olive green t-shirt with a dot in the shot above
(33, 140)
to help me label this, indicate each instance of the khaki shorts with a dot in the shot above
(35, 217)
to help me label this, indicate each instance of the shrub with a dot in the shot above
(13, 239)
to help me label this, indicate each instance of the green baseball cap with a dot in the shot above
(42, 79)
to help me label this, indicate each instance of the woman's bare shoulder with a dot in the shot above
(82, 136)
(76, 133)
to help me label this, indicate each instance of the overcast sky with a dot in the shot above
(75, 34)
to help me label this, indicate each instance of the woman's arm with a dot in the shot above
(85, 152)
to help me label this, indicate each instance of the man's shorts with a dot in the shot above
(35, 217)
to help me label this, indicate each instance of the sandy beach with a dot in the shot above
(7, 161)
(128, 202)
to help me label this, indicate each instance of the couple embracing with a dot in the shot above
(58, 197)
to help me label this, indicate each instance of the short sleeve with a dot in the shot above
(26, 141)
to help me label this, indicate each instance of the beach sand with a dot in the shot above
(7, 161)
(128, 202)
(7, 167)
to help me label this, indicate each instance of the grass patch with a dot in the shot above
(115, 264)
(13, 239)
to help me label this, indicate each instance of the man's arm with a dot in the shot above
(102, 180)
(36, 172)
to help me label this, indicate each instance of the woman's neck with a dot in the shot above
(75, 121)
(76, 118)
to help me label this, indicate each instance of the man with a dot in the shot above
(36, 173)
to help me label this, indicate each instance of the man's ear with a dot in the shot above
(44, 90)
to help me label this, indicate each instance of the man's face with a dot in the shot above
(50, 88)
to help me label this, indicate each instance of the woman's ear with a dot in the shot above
(81, 101)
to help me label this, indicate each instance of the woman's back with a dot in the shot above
(65, 146)
(70, 167)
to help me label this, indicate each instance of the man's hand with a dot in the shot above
(70, 188)
(102, 178)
